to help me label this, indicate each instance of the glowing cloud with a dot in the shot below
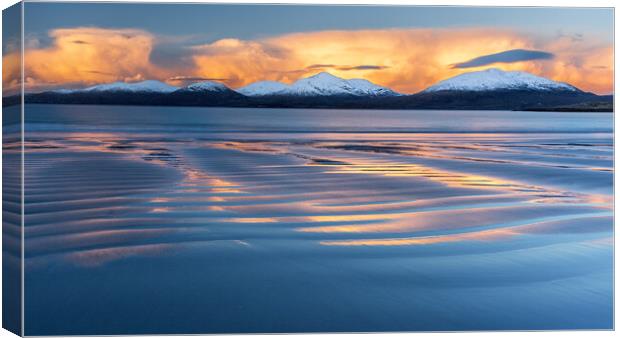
(407, 60)
(83, 56)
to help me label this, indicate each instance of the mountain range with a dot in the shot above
(487, 89)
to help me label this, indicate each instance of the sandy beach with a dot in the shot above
(206, 220)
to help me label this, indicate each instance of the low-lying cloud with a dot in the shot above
(182, 80)
(509, 56)
(362, 67)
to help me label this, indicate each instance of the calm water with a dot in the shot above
(207, 220)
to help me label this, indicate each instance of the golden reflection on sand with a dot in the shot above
(495, 234)
(481, 235)
(339, 218)
(484, 202)
(216, 199)
(245, 146)
(161, 209)
(227, 190)
(253, 220)
(161, 200)
(449, 178)
(604, 201)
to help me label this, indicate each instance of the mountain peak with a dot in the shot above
(493, 70)
(142, 86)
(497, 79)
(324, 76)
(206, 86)
(321, 84)
(262, 88)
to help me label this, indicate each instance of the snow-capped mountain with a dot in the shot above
(263, 88)
(206, 86)
(495, 79)
(148, 86)
(322, 84)
(150, 92)
(489, 89)
(367, 88)
(206, 93)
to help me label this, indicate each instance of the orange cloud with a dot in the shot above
(414, 58)
(243, 62)
(11, 73)
(87, 55)
(407, 60)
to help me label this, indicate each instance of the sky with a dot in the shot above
(407, 48)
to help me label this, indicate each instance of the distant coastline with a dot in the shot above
(490, 89)
(523, 101)
(595, 107)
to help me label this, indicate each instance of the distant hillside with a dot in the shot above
(491, 89)
(598, 106)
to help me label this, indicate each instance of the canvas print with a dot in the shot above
(221, 168)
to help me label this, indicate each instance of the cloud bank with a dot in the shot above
(407, 60)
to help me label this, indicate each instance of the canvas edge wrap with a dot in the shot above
(12, 178)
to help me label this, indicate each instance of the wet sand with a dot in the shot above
(228, 230)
